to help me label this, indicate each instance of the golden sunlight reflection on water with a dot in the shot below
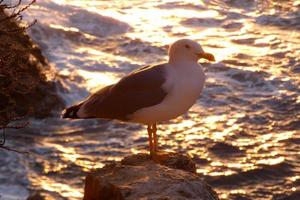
(64, 189)
(95, 80)
(149, 22)
(69, 154)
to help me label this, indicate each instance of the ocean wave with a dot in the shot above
(264, 172)
(225, 149)
(274, 20)
(96, 24)
(204, 22)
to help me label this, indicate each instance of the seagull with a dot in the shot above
(151, 94)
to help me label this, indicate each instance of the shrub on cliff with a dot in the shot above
(26, 79)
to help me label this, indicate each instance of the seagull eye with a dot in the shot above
(187, 46)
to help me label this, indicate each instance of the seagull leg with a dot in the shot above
(154, 129)
(149, 129)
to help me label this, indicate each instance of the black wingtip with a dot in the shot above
(65, 114)
(71, 112)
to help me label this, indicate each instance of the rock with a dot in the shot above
(167, 176)
(169, 159)
(36, 196)
(100, 189)
(27, 81)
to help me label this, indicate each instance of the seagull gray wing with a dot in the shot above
(141, 88)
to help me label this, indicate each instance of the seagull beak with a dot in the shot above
(207, 56)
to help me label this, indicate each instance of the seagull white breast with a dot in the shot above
(184, 83)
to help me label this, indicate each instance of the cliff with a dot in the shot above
(170, 177)
(27, 84)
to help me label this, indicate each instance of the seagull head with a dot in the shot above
(188, 50)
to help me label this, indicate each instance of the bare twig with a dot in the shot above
(12, 6)
(22, 28)
(14, 150)
(18, 126)
(16, 14)
(13, 119)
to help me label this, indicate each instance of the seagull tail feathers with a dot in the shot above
(71, 112)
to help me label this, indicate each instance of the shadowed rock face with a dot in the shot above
(26, 78)
(139, 177)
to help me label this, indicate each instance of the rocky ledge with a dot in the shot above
(169, 176)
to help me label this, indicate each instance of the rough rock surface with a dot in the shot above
(35, 196)
(27, 84)
(170, 177)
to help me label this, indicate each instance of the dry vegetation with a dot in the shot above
(24, 88)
